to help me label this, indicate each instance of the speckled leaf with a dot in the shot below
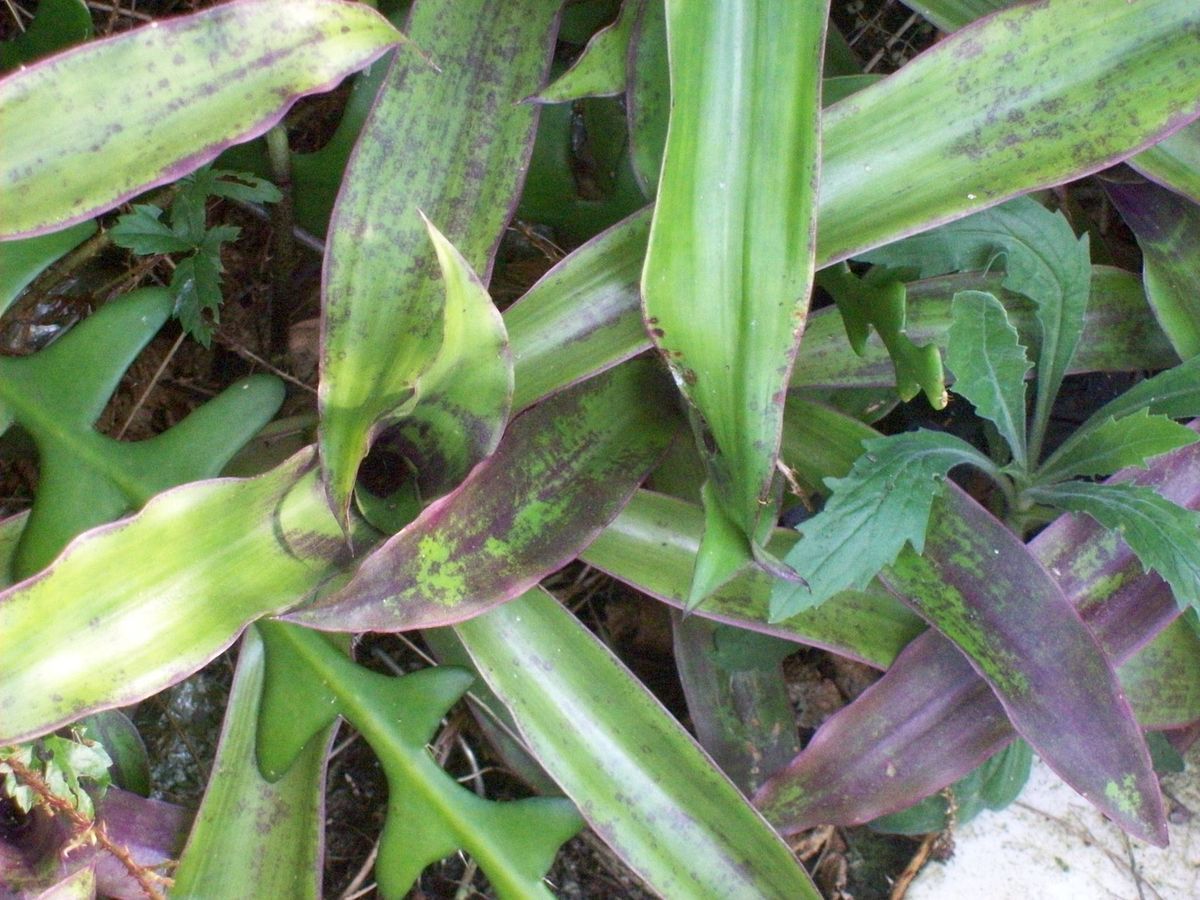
(931, 719)
(645, 787)
(87, 478)
(648, 99)
(451, 141)
(729, 265)
(1174, 162)
(1029, 97)
(92, 127)
(600, 69)
(1119, 331)
(430, 815)
(980, 586)
(561, 473)
(1167, 228)
(652, 546)
(253, 837)
(127, 625)
(1163, 679)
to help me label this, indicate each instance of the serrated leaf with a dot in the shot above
(870, 516)
(1165, 537)
(989, 364)
(1174, 393)
(142, 232)
(600, 69)
(430, 815)
(234, 70)
(1042, 259)
(881, 302)
(1110, 444)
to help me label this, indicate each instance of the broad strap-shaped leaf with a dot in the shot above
(1119, 330)
(600, 70)
(430, 815)
(950, 15)
(879, 301)
(1113, 444)
(652, 546)
(1174, 162)
(1029, 97)
(730, 262)
(624, 760)
(89, 128)
(979, 586)
(582, 316)
(1167, 228)
(253, 837)
(939, 718)
(87, 478)
(1042, 259)
(126, 625)
(561, 473)
(989, 364)
(1165, 537)
(881, 506)
(451, 141)
(648, 94)
(462, 400)
(1163, 679)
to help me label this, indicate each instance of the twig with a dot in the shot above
(253, 357)
(81, 826)
(149, 387)
(900, 888)
(115, 10)
(465, 889)
(16, 14)
(352, 889)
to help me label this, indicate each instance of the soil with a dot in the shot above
(172, 377)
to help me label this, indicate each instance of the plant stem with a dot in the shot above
(283, 245)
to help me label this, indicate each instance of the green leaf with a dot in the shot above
(242, 186)
(600, 69)
(87, 478)
(652, 546)
(142, 232)
(226, 552)
(56, 25)
(22, 261)
(880, 301)
(233, 71)
(1174, 393)
(1042, 260)
(253, 837)
(430, 815)
(1164, 536)
(561, 473)
(1174, 162)
(1110, 444)
(730, 261)
(1163, 679)
(989, 365)
(452, 142)
(870, 516)
(648, 98)
(650, 772)
(1029, 97)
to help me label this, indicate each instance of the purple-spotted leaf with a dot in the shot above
(1163, 679)
(89, 128)
(127, 625)
(652, 546)
(980, 587)
(730, 260)
(872, 513)
(1174, 162)
(451, 141)
(931, 719)
(1111, 444)
(650, 794)
(1011, 103)
(648, 94)
(561, 473)
(1167, 228)
(1165, 537)
(253, 837)
(430, 815)
(600, 69)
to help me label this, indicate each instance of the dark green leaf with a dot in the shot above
(142, 232)
(1110, 444)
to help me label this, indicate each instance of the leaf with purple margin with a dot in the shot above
(452, 142)
(1167, 228)
(561, 473)
(600, 69)
(652, 546)
(651, 794)
(127, 625)
(1174, 162)
(931, 719)
(148, 106)
(982, 588)
(1003, 107)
